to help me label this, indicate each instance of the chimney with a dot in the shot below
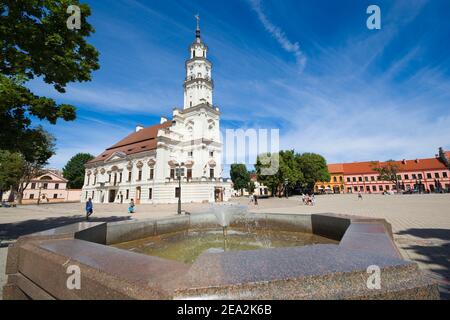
(139, 128)
(404, 161)
(163, 120)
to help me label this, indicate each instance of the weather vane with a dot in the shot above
(197, 16)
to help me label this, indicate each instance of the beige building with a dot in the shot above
(49, 187)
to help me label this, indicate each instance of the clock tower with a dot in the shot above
(198, 85)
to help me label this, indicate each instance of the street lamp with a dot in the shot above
(179, 185)
(39, 195)
(286, 182)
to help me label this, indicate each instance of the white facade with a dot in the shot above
(191, 141)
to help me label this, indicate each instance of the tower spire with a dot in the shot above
(197, 32)
(198, 86)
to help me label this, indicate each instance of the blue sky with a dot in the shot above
(309, 68)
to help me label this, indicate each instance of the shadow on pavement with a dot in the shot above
(436, 253)
(12, 231)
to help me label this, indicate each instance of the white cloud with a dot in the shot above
(279, 35)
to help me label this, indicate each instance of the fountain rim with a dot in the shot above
(86, 244)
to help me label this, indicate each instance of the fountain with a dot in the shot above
(181, 258)
(224, 213)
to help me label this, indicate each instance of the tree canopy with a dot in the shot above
(240, 176)
(36, 43)
(74, 170)
(387, 172)
(313, 167)
(11, 165)
(287, 176)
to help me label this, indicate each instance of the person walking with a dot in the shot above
(255, 199)
(89, 208)
(360, 195)
(131, 207)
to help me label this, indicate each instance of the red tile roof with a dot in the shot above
(143, 140)
(336, 168)
(359, 167)
(407, 165)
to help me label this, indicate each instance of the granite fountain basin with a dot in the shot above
(41, 265)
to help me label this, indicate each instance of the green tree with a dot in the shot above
(387, 171)
(287, 176)
(74, 170)
(270, 181)
(240, 176)
(37, 149)
(251, 187)
(11, 165)
(313, 167)
(36, 43)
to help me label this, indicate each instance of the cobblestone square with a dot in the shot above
(420, 223)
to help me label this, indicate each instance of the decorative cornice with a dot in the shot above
(209, 82)
(195, 59)
(206, 106)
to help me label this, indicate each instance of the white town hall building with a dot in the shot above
(144, 165)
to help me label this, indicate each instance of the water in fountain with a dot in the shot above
(187, 245)
(225, 212)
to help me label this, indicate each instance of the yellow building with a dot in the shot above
(336, 183)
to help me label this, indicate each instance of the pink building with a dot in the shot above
(424, 175)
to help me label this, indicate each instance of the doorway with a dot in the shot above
(218, 194)
(138, 195)
(112, 196)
